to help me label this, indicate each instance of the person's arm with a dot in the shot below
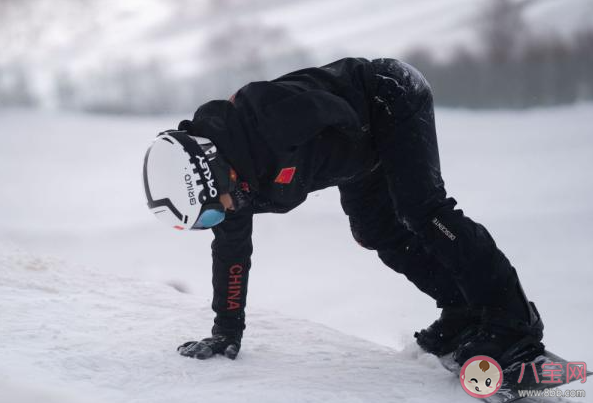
(231, 261)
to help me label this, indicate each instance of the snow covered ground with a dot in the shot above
(79, 336)
(72, 192)
(72, 335)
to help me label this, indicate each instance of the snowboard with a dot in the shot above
(544, 374)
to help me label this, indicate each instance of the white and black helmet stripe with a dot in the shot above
(200, 164)
(164, 202)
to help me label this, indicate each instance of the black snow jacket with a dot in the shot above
(285, 138)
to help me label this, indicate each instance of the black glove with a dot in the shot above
(229, 346)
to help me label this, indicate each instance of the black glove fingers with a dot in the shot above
(194, 349)
(203, 352)
(231, 351)
(185, 345)
(206, 348)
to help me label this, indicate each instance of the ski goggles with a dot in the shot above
(210, 215)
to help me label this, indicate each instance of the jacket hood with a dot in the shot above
(218, 121)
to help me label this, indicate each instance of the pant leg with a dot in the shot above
(404, 130)
(375, 226)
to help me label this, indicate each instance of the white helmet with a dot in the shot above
(183, 180)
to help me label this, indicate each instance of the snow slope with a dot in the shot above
(81, 336)
(71, 189)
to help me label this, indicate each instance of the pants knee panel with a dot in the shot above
(400, 87)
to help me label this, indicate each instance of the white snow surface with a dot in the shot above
(82, 336)
(85, 315)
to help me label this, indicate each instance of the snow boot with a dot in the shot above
(444, 335)
(510, 333)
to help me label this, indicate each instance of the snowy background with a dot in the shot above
(90, 308)
(159, 56)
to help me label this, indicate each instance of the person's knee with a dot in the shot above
(416, 84)
(418, 90)
(402, 85)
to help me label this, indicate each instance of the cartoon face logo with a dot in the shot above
(481, 376)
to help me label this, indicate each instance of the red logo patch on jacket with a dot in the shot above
(285, 175)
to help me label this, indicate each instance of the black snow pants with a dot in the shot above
(402, 209)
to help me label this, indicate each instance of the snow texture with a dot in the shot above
(80, 332)
(98, 338)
